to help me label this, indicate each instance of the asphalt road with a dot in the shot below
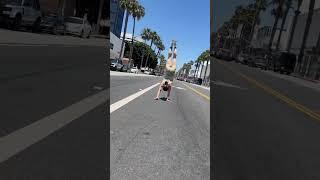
(156, 139)
(53, 112)
(266, 129)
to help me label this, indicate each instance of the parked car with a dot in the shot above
(17, 13)
(78, 26)
(147, 72)
(224, 54)
(260, 62)
(134, 70)
(116, 65)
(53, 24)
(125, 68)
(283, 62)
(242, 58)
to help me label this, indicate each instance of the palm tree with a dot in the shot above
(137, 13)
(297, 12)
(160, 46)
(145, 35)
(197, 65)
(277, 13)
(128, 6)
(288, 6)
(258, 6)
(306, 31)
(162, 63)
(152, 37)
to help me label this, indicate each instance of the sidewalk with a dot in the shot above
(117, 73)
(19, 37)
(315, 85)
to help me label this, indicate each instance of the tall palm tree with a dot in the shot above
(128, 6)
(295, 20)
(145, 35)
(159, 46)
(137, 13)
(277, 13)
(162, 63)
(306, 31)
(152, 37)
(288, 4)
(258, 6)
(197, 64)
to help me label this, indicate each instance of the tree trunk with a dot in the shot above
(99, 15)
(124, 34)
(306, 32)
(274, 29)
(132, 40)
(201, 68)
(148, 54)
(142, 56)
(283, 23)
(295, 20)
(195, 72)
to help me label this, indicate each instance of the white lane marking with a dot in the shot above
(179, 87)
(31, 134)
(122, 102)
(24, 45)
(220, 83)
(97, 88)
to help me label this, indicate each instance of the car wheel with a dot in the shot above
(82, 34)
(89, 34)
(17, 22)
(36, 25)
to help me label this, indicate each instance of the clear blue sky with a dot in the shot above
(187, 21)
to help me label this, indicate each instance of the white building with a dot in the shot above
(115, 46)
(128, 37)
(200, 74)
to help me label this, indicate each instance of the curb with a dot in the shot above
(307, 79)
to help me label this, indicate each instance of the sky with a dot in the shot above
(186, 21)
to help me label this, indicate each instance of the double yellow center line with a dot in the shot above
(278, 95)
(198, 92)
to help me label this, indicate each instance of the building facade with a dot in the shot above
(310, 65)
(116, 17)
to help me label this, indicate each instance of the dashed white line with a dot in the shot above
(23, 138)
(119, 104)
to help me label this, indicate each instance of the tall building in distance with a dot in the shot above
(116, 17)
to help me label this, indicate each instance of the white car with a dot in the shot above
(17, 13)
(134, 70)
(78, 26)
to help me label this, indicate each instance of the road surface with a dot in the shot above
(266, 126)
(53, 105)
(156, 139)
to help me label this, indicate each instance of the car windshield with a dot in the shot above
(114, 61)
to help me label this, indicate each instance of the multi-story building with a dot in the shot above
(310, 65)
(116, 21)
(116, 17)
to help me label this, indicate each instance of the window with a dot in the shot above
(111, 45)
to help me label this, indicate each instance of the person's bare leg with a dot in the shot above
(168, 95)
(159, 90)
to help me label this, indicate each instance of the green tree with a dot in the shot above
(153, 36)
(145, 35)
(128, 6)
(137, 13)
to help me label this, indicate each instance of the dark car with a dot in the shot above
(260, 62)
(283, 62)
(54, 24)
